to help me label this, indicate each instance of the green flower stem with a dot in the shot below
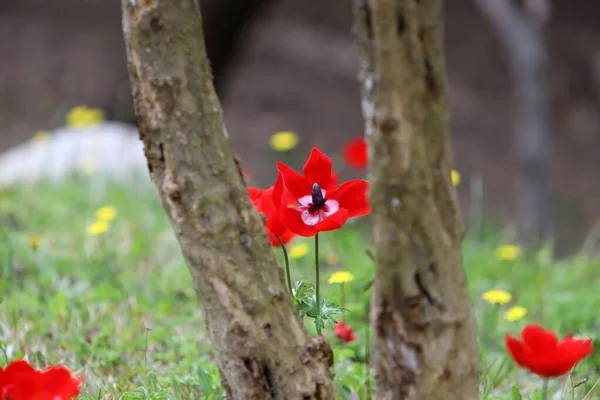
(317, 285)
(287, 265)
(342, 295)
(545, 389)
(368, 349)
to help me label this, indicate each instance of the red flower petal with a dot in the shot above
(263, 201)
(59, 381)
(292, 220)
(20, 381)
(515, 348)
(348, 200)
(254, 193)
(287, 237)
(14, 369)
(277, 191)
(355, 153)
(344, 332)
(318, 169)
(538, 338)
(571, 351)
(296, 184)
(333, 181)
(273, 222)
(541, 353)
(333, 222)
(352, 195)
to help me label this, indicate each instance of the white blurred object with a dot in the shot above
(110, 149)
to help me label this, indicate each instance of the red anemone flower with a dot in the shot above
(344, 332)
(262, 199)
(20, 381)
(355, 153)
(542, 353)
(310, 204)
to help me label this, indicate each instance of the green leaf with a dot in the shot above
(343, 354)
(328, 310)
(319, 323)
(303, 293)
(516, 395)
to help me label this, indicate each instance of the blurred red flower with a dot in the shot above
(355, 153)
(262, 199)
(344, 332)
(542, 353)
(309, 202)
(20, 381)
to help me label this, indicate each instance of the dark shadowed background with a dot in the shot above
(291, 65)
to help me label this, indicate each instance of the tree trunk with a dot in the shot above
(522, 34)
(261, 347)
(424, 340)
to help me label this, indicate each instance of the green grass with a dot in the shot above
(121, 310)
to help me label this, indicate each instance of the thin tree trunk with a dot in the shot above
(521, 32)
(261, 347)
(424, 336)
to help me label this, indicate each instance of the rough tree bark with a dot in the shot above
(261, 347)
(424, 340)
(522, 33)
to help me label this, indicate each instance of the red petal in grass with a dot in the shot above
(540, 351)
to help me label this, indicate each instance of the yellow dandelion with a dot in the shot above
(97, 228)
(508, 252)
(299, 250)
(34, 241)
(40, 137)
(496, 296)
(515, 313)
(341, 277)
(455, 177)
(82, 116)
(283, 141)
(106, 213)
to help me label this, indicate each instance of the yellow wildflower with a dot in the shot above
(455, 177)
(40, 136)
(82, 116)
(34, 241)
(515, 313)
(508, 252)
(299, 250)
(97, 228)
(341, 277)
(106, 213)
(283, 141)
(496, 296)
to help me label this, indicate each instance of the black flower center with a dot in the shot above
(318, 201)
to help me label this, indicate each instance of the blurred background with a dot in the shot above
(288, 65)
